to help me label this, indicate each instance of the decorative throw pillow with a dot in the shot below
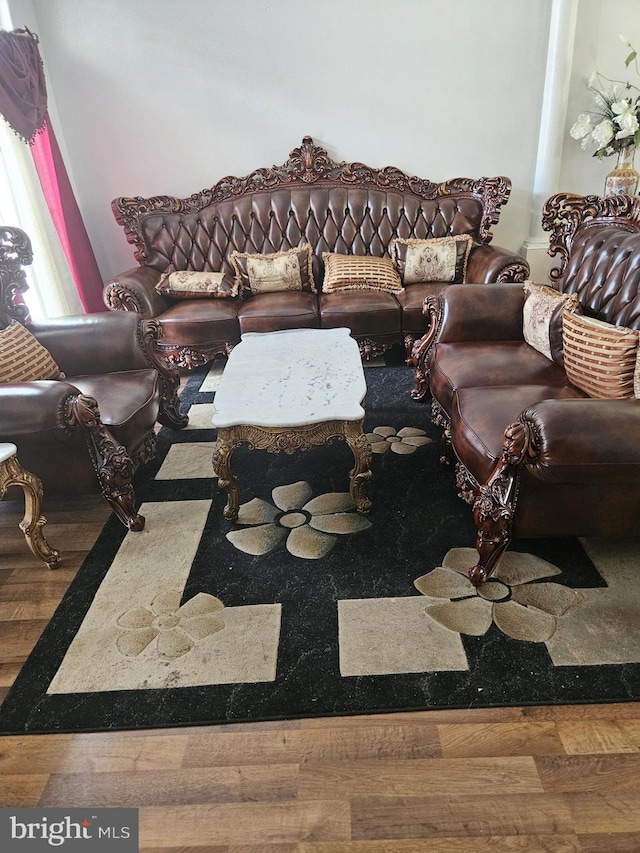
(186, 284)
(359, 272)
(599, 358)
(23, 358)
(287, 270)
(544, 308)
(436, 259)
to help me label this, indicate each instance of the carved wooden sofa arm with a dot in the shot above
(134, 290)
(32, 411)
(587, 442)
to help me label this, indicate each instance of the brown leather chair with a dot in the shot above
(535, 455)
(86, 433)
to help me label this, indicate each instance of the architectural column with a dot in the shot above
(562, 30)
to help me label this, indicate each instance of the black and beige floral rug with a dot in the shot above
(305, 607)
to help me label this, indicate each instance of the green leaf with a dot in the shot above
(630, 58)
(636, 138)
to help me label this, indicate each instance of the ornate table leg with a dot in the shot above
(360, 473)
(12, 474)
(222, 451)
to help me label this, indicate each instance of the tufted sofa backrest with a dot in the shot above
(348, 208)
(358, 221)
(599, 243)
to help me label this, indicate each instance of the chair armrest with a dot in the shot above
(480, 312)
(33, 407)
(585, 441)
(87, 344)
(493, 263)
(134, 290)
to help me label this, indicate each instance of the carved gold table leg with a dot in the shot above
(360, 474)
(12, 474)
(290, 440)
(222, 452)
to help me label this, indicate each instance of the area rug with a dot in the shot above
(304, 607)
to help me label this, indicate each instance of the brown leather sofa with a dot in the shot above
(345, 208)
(535, 455)
(87, 431)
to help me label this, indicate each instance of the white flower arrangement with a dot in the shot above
(614, 122)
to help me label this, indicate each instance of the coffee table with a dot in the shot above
(288, 391)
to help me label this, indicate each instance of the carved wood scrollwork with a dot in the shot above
(311, 164)
(495, 504)
(190, 357)
(422, 348)
(564, 213)
(113, 466)
(13, 474)
(370, 348)
(118, 298)
(15, 252)
(514, 273)
(280, 440)
(149, 333)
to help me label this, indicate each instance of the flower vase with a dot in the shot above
(623, 180)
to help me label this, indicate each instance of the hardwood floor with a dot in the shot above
(544, 780)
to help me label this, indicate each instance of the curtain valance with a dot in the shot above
(23, 91)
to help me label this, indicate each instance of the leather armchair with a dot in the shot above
(90, 431)
(535, 456)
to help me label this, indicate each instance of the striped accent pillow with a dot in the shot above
(599, 358)
(23, 358)
(359, 272)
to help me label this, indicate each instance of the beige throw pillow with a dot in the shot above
(188, 284)
(441, 259)
(359, 272)
(600, 358)
(23, 358)
(542, 315)
(276, 271)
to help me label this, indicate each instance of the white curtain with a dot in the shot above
(52, 292)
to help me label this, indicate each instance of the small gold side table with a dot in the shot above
(13, 474)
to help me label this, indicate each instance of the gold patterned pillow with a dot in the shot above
(359, 272)
(436, 259)
(544, 308)
(600, 358)
(188, 284)
(288, 270)
(23, 358)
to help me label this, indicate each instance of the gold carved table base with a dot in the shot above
(12, 474)
(288, 440)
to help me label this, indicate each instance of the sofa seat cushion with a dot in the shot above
(364, 312)
(471, 364)
(128, 401)
(411, 300)
(481, 415)
(200, 322)
(269, 312)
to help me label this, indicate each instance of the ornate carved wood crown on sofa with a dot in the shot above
(343, 208)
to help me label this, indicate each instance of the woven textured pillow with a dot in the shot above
(187, 284)
(288, 270)
(599, 358)
(542, 315)
(359, 272)
(436, 259)
(23, 358)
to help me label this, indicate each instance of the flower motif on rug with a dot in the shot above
(404, 441)
(177, 628)
(511, 599)
(309, 526)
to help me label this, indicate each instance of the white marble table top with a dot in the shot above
(292, 378)
(7, 451)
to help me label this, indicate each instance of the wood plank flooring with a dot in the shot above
(562, 779)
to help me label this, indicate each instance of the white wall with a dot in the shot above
(168, 96)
